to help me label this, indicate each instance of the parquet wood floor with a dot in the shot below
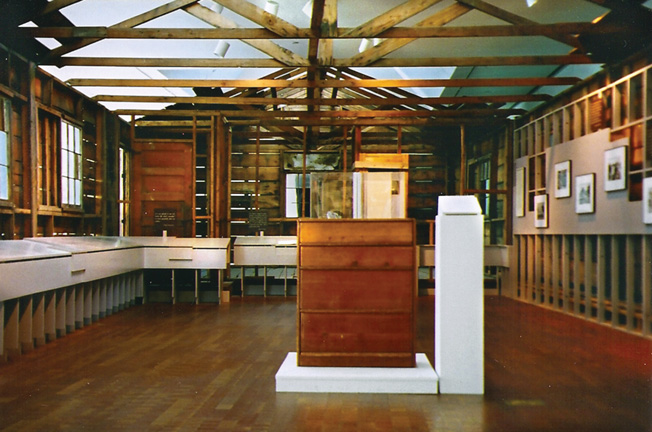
(161, 367)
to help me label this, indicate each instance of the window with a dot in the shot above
(71, 165)
(294, 195)
(5, 153)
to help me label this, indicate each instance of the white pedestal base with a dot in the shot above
(419, 380)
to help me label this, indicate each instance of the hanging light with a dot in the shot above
(271, 7)
(364, 44)
(307, 9)
(221, 49)
(210, 4)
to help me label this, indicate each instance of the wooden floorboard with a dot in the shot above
(182, 367)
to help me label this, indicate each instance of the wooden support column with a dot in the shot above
(303, 171)
(257, 184)
(222, 178)
(462, 161)
(357, 143)
(194, 177)
(33, 145)
(646, 284)
(399, 140)
(589, 268)
(601, 276)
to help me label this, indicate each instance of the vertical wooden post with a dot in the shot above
(344, 168)
(257, 184)
(33, 141)
(462, 161)
(303, 171)
(357, 144)
(399, 140)
(193, 199)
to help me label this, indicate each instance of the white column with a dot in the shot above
(459, 297)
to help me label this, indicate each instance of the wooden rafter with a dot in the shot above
(328, 83)
(332, 33)
(277, 52)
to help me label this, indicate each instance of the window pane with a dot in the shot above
(77, 140)
(78, 192)
(64, 191)
(4, 149)
(4, 182)
(64, 135)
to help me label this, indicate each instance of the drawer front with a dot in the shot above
(356, 333)
(357, 290)
(361, 232)
(357, 256)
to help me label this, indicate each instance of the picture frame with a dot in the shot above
(519, 192)
(647, 200)
(563, 179)
(585, 194)
(541, 211)
(615, 169)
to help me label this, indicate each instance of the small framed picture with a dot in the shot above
(541, 211)
(519, 192)
(585, 193)
(563, 179)
(647, 200)
(615, 169)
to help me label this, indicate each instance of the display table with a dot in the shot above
(51, 286)
(357, 291)
(265, 251)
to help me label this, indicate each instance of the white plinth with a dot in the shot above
(307, 379)
(459, 297)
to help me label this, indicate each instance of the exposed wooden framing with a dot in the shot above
(439, 19)
(270, 63)
(555, 270)
(630, 275)
(589, 270)
(566, 269)
(257, 178)
(377, 101)
(614, 270)
(333, 32)
(34, 150)
(297, 83)
(131, 22)
(56, 5)
(328, 30)
(194, 177)
(601, 277)
(259, 16)
(463, 184)
(387, 20)
(577, 267)
(515, 19)
(275, 51)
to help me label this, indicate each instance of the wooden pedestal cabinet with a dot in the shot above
(356, 293)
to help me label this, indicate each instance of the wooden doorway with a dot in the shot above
(162, 188)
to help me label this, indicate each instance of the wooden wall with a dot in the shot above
(39, 103)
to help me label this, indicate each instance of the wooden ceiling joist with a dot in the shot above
(344, 83)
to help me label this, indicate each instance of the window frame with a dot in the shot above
(5, 128)
(71, 153)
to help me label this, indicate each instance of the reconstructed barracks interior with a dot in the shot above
(173, 133)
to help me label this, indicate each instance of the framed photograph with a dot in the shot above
(615, 169)
(541, 211)
(563, 179)
(585, 193)
(519, 192)
(647, 200)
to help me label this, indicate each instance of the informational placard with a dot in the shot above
(258, 220)
(165, 217)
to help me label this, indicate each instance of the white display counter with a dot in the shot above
(51, 286)
(265, 251)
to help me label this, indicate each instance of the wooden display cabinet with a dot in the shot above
(356, 292)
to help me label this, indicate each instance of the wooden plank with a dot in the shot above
(360, 232)
(589, 277)
(388, 46)
(615, 269)
(272, 63)
(264, 187)
(249, 160)
(275, 51)
(248, 173)
(327, 83)
(350, 290)
(630, 272)
(577, 277)
(555, 282)
(601, 277)
(357, 257)
(646, 284)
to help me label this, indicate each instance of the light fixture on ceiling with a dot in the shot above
(221, 49)
(271, 7)
(307, 9)
(210, 4)
(364, 44)
(530, 3)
